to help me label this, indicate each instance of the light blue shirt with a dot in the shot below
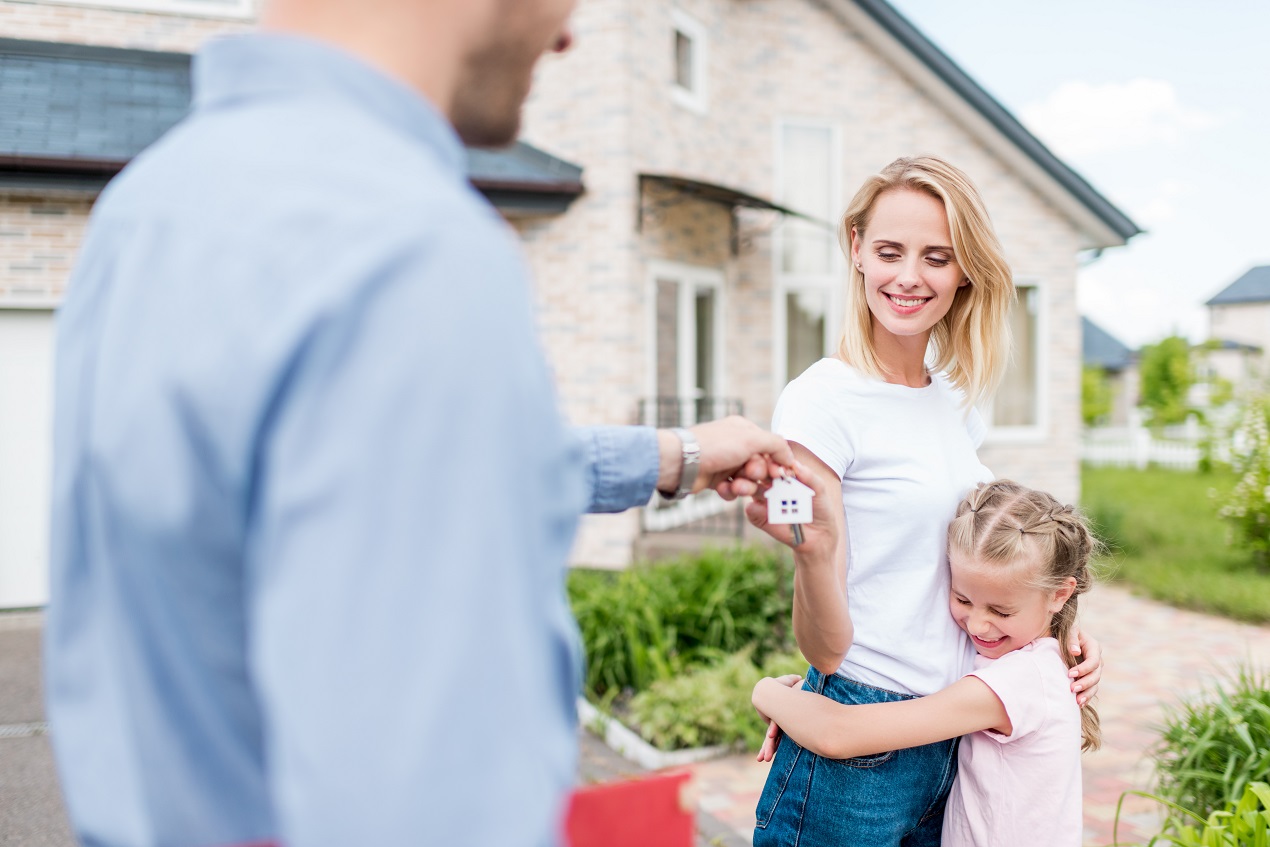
(312, 495)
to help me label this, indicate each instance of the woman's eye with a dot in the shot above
(937, 261)
(888, 257)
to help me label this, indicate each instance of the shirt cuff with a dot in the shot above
(623, 464)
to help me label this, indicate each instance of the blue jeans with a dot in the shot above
(893, 799)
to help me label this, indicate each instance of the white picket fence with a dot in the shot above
(1135, 446)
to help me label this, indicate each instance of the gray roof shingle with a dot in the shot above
(1252, 287)
(73, 115)
(1101, 349)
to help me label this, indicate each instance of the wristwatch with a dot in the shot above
(691, 463)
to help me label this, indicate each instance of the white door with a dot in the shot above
(26, 419)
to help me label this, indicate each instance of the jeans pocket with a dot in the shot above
(777, 780)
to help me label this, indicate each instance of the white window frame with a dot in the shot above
(1036, 433)
(833, 282)
(697, 97)
(237, 10)
(689, 279)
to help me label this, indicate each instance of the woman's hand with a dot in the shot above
(1086, 675)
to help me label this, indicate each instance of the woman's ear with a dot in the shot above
(1062, 595)
(855, 247)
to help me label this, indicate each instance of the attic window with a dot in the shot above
(689, 77)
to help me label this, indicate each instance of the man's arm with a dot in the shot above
(626, 464)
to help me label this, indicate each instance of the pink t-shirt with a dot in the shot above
(1023, 788)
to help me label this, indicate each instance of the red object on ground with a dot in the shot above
(652, 812)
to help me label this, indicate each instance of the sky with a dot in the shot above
(1164, 107)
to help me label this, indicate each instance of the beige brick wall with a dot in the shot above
(39, 237)
(607, 106)
(111, 27)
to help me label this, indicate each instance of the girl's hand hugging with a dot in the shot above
(767, 752)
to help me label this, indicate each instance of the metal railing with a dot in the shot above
(705, 513)
(686, 411)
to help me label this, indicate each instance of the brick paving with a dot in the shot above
(1153, 654)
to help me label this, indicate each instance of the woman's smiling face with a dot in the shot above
(910, 272)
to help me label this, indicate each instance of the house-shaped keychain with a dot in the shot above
(789, 501)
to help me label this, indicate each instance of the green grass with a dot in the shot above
(1167, 541)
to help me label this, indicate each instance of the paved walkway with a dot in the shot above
(1152, 653)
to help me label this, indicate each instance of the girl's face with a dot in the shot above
(997, 608)
(906, 256)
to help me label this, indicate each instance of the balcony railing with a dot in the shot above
(686, 411)
(705, 513)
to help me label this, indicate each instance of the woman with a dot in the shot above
(886, 433)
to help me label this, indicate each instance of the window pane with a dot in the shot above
(705, 342)
(683, 61)
(667, 338)
(1015, 403)
(804, 330)
(806, 186)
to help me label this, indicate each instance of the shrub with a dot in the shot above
(1247, 506)
(1242, 824)
(652, 621)
(1212, 747)
(708, 705)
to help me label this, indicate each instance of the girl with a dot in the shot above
(1019, 560)
(886, 434)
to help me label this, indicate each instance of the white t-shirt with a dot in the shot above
(906, 457)
(1023, 788)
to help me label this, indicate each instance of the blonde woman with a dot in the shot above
(886, 433)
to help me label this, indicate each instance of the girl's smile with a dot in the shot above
(997, 606)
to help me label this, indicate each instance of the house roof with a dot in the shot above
(930, 68)
(75, 114)
(1252, 287)
(1101, 349)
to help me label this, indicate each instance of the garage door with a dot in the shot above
(26, 373)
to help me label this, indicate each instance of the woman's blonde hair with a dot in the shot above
(1004, 523)
(971, 344)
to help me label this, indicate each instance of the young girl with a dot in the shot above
(886, 433)
(1019, 559)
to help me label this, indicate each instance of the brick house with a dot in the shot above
(678, 284)
(693, 275)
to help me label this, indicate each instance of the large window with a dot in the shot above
(1018, 407)
(808, 263)
(208, 8)
(688, 343)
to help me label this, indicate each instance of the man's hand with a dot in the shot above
(736, 456)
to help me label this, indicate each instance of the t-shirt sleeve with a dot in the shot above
(1016, 680)
(806, 413)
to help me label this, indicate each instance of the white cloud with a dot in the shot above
(1081, 118)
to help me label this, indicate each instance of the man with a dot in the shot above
(312, 497)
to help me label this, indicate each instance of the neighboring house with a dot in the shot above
(718, 140)
(1102, 350)
(1238, 331)
(676, 283)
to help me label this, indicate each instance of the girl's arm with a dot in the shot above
(837, 731)
(822, 623)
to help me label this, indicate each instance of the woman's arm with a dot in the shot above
(838, 731)
(822, 623)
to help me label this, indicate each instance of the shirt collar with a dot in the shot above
(237, 68)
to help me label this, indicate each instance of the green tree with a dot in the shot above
(1167, 376)
(1095, 395)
